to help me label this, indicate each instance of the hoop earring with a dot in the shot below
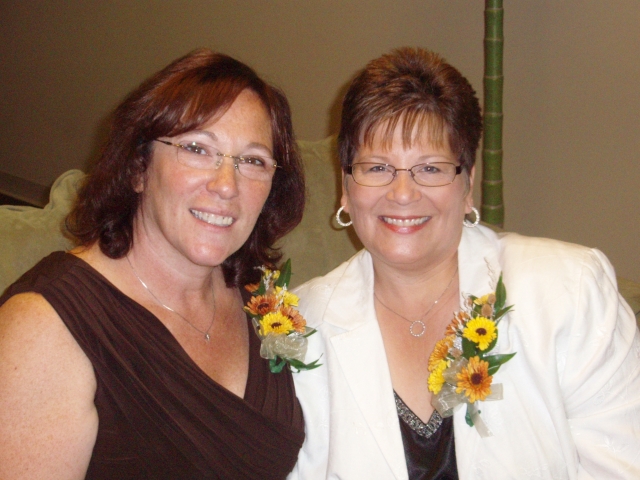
(469, 224)
(339, 220)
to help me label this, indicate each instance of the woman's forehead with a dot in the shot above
(409, 131)
(205, 108)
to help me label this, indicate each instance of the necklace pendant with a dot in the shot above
(206, 337)
(422, 328)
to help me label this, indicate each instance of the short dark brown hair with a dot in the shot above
(417, 88)
(181, 97)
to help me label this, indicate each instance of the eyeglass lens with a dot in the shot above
(205, 157)
(427, 174)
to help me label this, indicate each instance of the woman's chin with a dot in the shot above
(207, 257)
(399, 257)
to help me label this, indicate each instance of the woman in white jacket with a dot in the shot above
(567, 405)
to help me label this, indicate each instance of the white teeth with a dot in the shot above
(212, 219)
(402, 222)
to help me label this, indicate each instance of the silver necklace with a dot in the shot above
(414, 323)
(205, 332)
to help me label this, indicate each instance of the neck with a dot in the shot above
(155, 262)
(391, 282)
(183, 289)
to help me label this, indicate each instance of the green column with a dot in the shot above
(492, 209)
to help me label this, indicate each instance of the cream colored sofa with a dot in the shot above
(316, 246)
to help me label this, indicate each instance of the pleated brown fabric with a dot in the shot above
(160, 416)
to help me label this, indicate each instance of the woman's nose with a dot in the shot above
(224, 178)
(403, 188)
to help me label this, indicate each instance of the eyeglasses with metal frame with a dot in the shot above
(437, 174)
(205, 157)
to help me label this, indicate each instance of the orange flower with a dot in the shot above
(440, 351)
(474, 380)
(252, 287)
(298, 321)
(261, 305)
(457, 324)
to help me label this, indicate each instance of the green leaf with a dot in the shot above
(276, 364)
(501, 295)
(276, 367)
(261, 289)
(495, 361)
(467, 416)
(501, 313)
(297, 364)
(469, 348)
(310, 332)
(285, 274)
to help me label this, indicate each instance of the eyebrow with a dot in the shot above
(214, 137)
(204, 132)
(422, 159)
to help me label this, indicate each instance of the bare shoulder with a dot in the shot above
(48, 421)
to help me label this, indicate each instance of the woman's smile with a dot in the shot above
(405, 222)
(212, 219)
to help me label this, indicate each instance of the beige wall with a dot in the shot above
(571, 103)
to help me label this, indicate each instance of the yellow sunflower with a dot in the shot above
(481, 331)
(440, 352)
(490, 299)
(288, 299)
(261, 305)
(436, 377)
(297, 320)
(275, 323)
(474, 380)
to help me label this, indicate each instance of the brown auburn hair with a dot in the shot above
(181, 97)
(416, 88)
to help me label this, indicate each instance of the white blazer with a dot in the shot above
(571, 406)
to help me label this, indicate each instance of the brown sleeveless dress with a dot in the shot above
(160, 416)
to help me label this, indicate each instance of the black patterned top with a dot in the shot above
(429, 448)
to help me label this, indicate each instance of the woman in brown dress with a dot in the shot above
(131, 356)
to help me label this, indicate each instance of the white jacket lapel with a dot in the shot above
(360, 353)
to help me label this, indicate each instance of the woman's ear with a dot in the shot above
(345, 193)
(469, 196)
(138, 184)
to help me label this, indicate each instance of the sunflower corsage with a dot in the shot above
(282, 330)
(461, 366)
